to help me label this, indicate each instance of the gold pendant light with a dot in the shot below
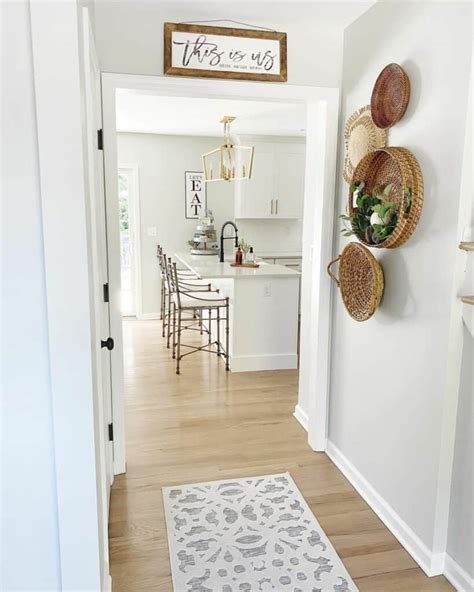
(228, 162)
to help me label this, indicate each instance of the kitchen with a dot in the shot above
(160, 143)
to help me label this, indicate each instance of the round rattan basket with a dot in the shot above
(360, 281)
(361, 136)
(399, 167)
(390, 96)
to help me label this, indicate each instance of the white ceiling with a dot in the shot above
(147, 113)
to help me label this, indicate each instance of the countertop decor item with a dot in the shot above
(229, 162)
(395, 174)
(390, 96)
(244, 265)
(361, 136)
(360, 280)
(249, 533)
(205, 240)
(192, 49)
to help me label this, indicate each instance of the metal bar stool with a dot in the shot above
(190, 286)
(198, 302)
(189, 282)
(184, 273)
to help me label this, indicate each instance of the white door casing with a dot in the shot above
(322, 106)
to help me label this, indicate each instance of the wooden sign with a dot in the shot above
(222, 52)
(195, 194)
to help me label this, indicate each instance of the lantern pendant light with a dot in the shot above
(228, 162)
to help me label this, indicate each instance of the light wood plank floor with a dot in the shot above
(208, 424)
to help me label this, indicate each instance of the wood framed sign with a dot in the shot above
(223, 52)
(195, 191)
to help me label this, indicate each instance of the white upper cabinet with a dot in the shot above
(276, 189)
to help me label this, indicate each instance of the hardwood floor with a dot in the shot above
(208, 424)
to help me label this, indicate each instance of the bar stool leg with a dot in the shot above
(178, 357)
(218, 320)
(227, 334)
(169, 321)
(209, 327)
(163, 313)
(174, 329)
(162, 291)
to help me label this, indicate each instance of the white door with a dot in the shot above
(290, 174)
(99, 298)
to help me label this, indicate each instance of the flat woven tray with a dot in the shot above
(244, 265)
(361, 136)
(360, 280)
(390, 96)
(399, 167)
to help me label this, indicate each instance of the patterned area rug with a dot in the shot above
(249, 535)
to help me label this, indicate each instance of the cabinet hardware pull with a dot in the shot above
(271, 207)
(276, 206)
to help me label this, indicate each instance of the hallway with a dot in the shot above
(207, 424)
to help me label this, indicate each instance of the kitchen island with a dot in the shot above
(263, 310)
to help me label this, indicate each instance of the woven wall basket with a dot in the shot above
(361, 136)
(360, 281)
(390, 96)
(399, 167)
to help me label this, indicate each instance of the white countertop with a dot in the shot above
(209, 267)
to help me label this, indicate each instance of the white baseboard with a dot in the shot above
(301, 416)
(106, 581)
(148, 316)
(431, 563)
(266, 362)
(457, 576)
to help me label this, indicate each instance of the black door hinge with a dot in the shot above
(111, 432)
(106, 292)
(100, 139)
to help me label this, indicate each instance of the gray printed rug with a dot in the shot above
(249, 535)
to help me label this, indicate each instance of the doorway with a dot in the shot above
(321, 106)
(129, 230)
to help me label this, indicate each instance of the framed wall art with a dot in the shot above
(224, 52)
(195, 192)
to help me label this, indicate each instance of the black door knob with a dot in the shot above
(108, 343)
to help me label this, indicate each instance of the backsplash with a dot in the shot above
(272, 235)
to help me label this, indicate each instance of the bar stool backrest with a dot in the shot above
(162, 264)
(175, 281)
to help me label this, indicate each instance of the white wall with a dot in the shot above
(50, 523)
(130, 34)
(162, 162)
(388, 374)
(30, 554)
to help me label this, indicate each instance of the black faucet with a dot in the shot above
(223, 238)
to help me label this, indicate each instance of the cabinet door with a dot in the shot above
(257, 192)
(290, 172)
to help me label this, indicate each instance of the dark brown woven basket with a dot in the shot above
(360, 280)
(390, 96)
(399, 167)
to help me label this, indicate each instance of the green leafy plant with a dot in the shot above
(244, 247)
(374, 217)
